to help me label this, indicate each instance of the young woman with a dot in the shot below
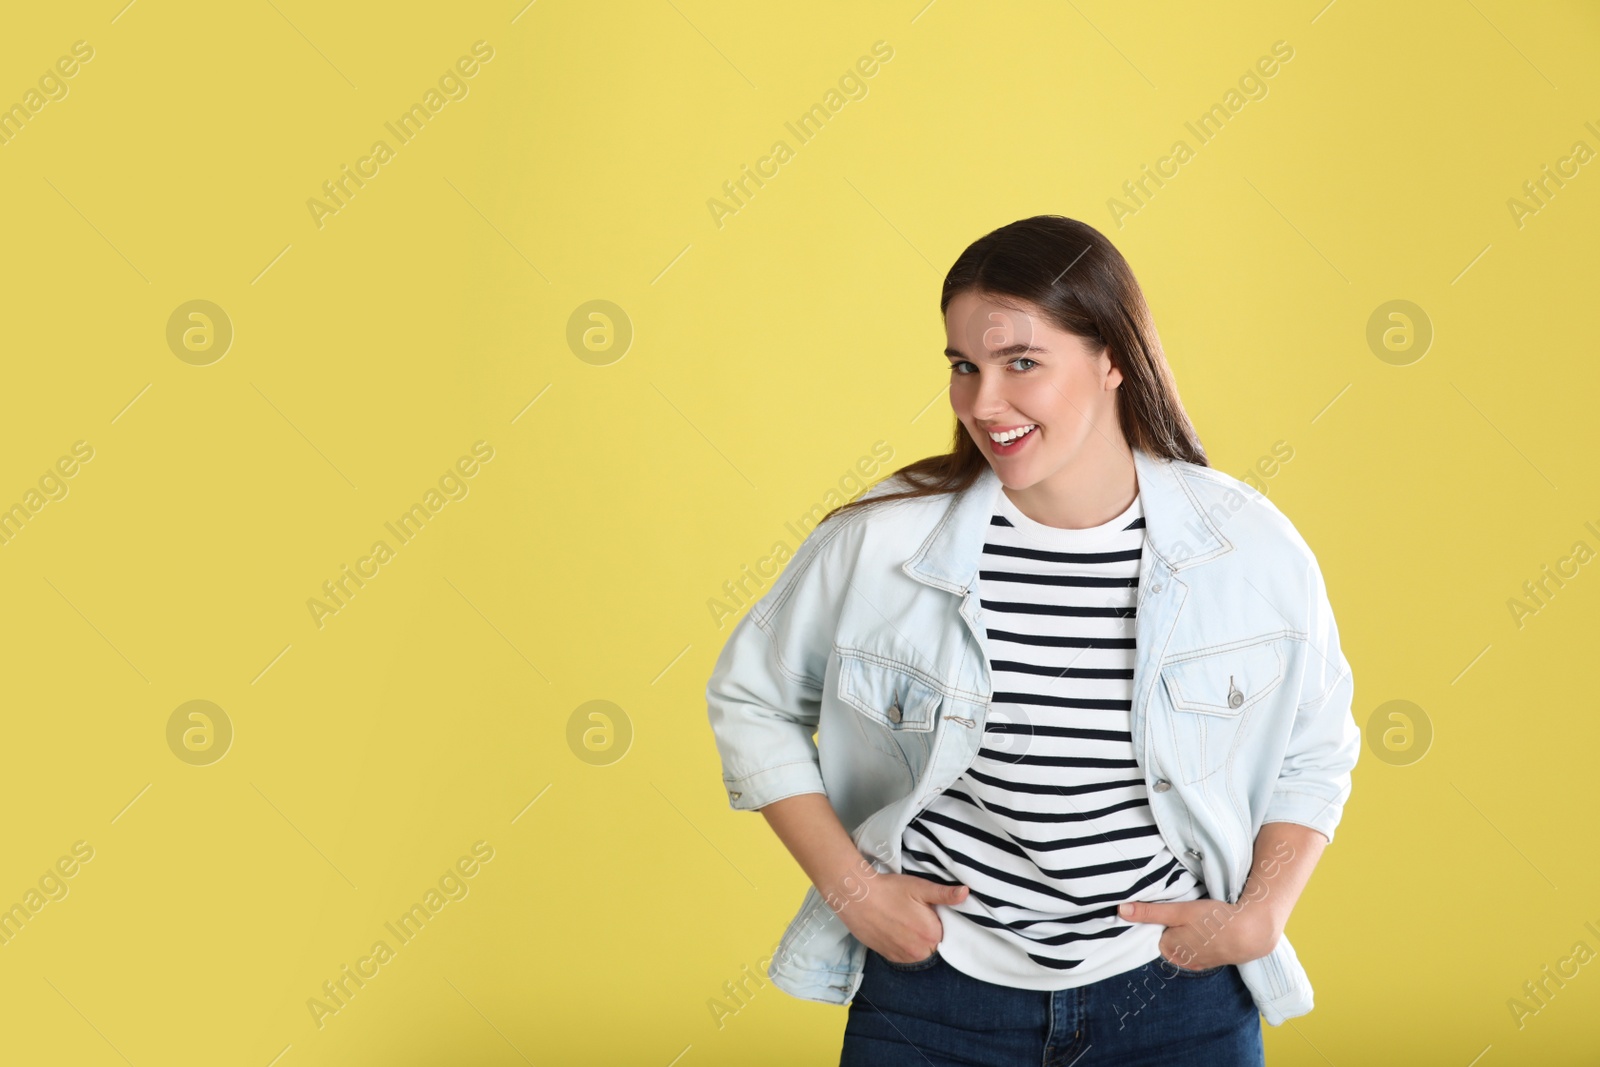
(1057, 724)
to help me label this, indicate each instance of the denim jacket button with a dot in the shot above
(1195, 853)
(1162, 785)
(894, 712)
(734, 796)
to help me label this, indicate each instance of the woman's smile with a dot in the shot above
(1010, 442)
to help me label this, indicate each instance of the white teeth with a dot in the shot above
(1010, 435)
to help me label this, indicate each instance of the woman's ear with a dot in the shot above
(1113, 372)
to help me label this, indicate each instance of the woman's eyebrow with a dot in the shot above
(999, 354)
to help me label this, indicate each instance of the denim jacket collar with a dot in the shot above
(1178, 532)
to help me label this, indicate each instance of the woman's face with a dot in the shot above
(1011, 369)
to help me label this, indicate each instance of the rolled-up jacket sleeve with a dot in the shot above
(1314, 782)
(765, 694)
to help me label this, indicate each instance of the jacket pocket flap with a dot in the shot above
(888, 694)
(1225, 682)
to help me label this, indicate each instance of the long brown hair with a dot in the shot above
(1079, 281)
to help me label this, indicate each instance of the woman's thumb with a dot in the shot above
(951, 894)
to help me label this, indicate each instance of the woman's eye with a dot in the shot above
(958, 364)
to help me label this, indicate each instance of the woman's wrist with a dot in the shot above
(850, 882)
(1261, 925)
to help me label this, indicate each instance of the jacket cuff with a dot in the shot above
(773, 784)
(1320, 813)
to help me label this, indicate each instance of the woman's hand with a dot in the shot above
(895, 916)
(1205, 933)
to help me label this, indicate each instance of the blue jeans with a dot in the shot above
(929, 1014)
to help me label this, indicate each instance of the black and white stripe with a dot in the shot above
(1050, 827)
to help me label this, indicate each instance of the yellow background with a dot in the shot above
(769, 353)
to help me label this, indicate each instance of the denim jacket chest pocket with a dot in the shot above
(892, 695)
(897, 708)
(1213, 693)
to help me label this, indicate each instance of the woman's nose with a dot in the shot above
(989, 400)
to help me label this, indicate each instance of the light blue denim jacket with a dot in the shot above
(863, 673)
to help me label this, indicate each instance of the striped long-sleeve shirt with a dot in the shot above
(1050, 827)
